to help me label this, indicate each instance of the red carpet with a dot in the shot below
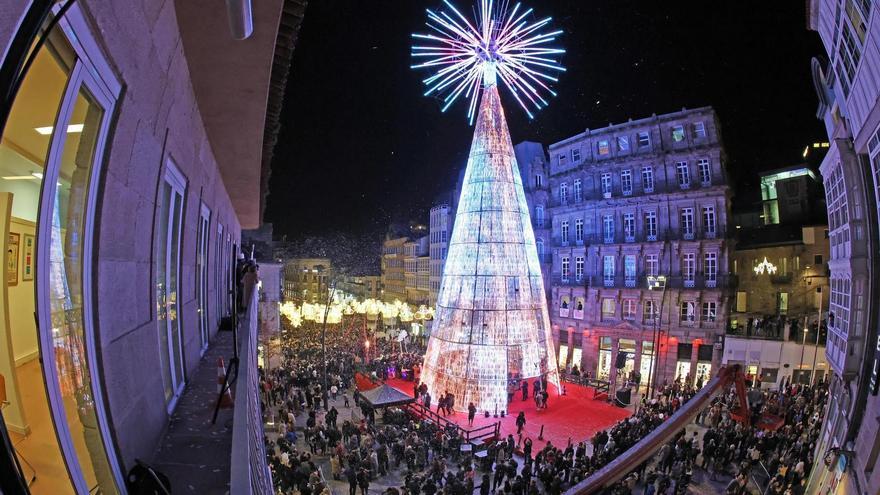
(574, 416)
(364, 383)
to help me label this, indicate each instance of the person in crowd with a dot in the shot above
(378, 446)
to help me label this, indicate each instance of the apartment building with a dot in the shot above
(639, 203)
(848, 90)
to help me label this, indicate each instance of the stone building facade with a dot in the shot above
(534, 168)
(646, 198)
(416, 268)
(848, 90)
(307, 279)
(440, 223)
(791, 277)
(393, 269)
(139, 162)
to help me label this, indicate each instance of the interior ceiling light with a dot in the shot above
(18, 177)
(36, 175)
(72, 128)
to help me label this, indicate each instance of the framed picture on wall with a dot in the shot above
(12, 259)
(27, 257)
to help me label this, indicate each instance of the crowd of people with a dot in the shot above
(360, 451)
(781, 327)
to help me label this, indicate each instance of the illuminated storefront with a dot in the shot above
(603, 371)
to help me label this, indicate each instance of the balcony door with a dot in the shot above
(65, 233)
(170, 219)
(202, 275)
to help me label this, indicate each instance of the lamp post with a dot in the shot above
(655, 283)
(330, 295)
(818, 333)
(804, 344)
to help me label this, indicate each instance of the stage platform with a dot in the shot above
(576, 415)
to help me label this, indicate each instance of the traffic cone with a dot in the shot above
(226, 401)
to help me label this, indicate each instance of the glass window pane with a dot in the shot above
(161, 291)
(23, 155)
(66, 290)
(174, 286)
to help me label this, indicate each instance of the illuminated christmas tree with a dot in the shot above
(491, 325)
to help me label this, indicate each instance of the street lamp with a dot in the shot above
(655, 283)
(330, 296)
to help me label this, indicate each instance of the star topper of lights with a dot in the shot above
(503, 44)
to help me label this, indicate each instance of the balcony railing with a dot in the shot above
(698, 282)
(249, 472)
(618, 192)
(782, 278)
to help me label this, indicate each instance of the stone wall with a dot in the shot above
(157, 117)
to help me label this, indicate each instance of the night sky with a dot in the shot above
(360, 145)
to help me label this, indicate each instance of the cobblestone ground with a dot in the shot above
(700, 482)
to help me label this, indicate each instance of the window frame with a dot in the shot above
(626, 182)
(648, 177)
(91, 71)
(683, 175)
(677, 133)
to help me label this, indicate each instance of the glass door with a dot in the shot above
(218, 274)
(170, 220)
(202, 274)
(64, 283)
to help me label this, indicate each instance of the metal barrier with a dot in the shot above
(599, 386)
(483, 433)
(249, 472)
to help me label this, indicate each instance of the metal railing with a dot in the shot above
(698, 281)
(249, 472)
(617, 192)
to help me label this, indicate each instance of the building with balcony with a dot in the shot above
(129, 163)
(307, 279)
(362, 286)
(393, 269)
(646, 198)
(849, 105)
(792, 196)
(442, 217)
(416, 265)
(534, 171)
(782, 273)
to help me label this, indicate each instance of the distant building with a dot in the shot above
(441, 219)
(416, 267)
(646, 198)
(774, 361)
(849, 105)
(782, 275)
(362, 286)
(271, 295)
(534, 169)
(791, 196)
(780, 271)
(393, 270)
(307, 279)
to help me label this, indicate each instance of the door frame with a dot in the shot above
(80, 77)
(203, 251)
(175, 179)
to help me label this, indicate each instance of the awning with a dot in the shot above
(386, 396)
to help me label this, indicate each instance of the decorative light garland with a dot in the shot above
(296, 314)
(765, 266)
